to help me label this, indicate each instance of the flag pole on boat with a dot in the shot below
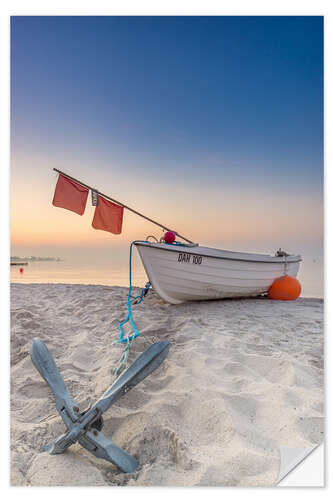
(124, 206)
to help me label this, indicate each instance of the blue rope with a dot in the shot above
(128, 340)
(131, 301)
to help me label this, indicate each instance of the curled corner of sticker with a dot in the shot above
(291, 458)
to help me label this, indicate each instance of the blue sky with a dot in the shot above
(203, 110)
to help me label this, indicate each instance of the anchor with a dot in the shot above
(85, 427)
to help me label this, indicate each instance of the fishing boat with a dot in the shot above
(186, 271)
(179, 273)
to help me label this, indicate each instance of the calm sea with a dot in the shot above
(109, 272)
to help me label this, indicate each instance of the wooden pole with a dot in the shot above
(122, 204)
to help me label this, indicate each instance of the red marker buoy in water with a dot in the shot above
(169, 237)
(21, 270)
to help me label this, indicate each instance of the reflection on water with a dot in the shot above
(105, 272)
(115, 272)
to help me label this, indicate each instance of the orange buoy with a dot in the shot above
(285, 288)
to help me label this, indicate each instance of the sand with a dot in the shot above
(242, 379)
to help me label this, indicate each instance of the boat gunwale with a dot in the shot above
(268, 258)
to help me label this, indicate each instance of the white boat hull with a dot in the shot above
(179, 273)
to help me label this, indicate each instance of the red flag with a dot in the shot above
(70, 195)
(108, 216)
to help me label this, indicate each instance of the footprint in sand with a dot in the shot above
(162, 444)
(34, 389)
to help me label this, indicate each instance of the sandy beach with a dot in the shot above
(242, 379)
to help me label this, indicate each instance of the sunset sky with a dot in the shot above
(211, 125)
